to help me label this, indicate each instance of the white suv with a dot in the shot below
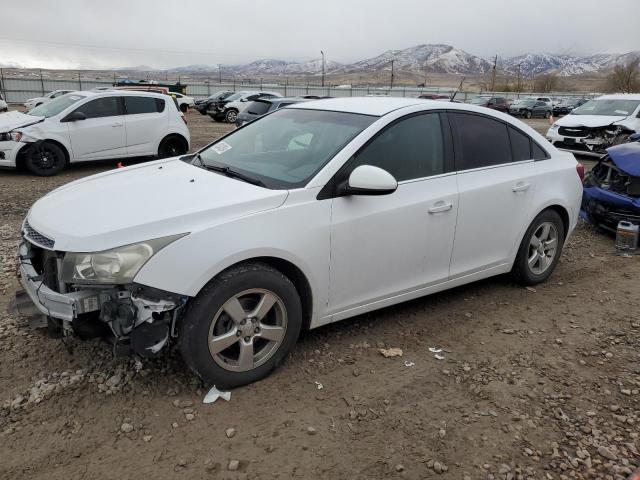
(83, 126)
(3, 105)
(311, 214)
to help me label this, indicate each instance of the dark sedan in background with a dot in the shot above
(203, 106)
(495, 103)
(262, 106)
(530, 107)
(566, 106)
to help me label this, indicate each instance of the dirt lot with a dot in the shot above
(536, 383)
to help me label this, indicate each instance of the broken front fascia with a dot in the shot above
(142, 315)
(596, 139)
(612, 188)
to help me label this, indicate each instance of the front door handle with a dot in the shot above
(521, 187)
(117, 125)
(440, 207)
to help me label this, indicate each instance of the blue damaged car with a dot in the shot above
(612, 188)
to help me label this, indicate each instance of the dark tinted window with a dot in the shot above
(136, 105)
(258, 108)
(481, 141)
(411, 148)
(538, 153)
(520, 145)
(100, 107)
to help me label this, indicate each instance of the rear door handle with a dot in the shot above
(117, 125)
(521, 187)
(440, 207)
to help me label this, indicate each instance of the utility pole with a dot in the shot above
(322, 52)
(392, 73)
(219, 74)
(493, 74)
(425, 74)
(518, 84)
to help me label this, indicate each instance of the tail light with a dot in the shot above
(580, 170)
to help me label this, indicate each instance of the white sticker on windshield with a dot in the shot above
(621, 112)
(221, 147)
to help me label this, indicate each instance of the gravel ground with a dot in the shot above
(535, 384)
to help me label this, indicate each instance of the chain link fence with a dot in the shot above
(16, 90)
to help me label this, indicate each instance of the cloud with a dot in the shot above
(162, 34)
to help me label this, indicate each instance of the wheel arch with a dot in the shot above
(293, 273)
(171, 135)
(20, 157)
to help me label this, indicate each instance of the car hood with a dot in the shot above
(12, 120)
(626, 157)
(142, 202)
(590, 121)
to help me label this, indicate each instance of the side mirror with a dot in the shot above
(369, 180)
(74, 117)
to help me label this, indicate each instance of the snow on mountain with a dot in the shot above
(533, 64)
(434, 58)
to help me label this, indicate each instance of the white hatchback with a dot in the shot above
(311, 214)
(94, 125)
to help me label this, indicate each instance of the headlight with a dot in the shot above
(553, 127)
(16, 136)
(119, 265)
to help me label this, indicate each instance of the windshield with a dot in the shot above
(55, 106)
(618, 108)
(287, 148)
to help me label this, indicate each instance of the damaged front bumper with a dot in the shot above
(9, 152)
(590, 141)
(139, 317)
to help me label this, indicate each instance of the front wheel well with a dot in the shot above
(297, 277)
(21, 157)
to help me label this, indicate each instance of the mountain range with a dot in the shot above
(432, 58)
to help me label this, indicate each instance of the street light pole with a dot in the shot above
(219, 74)
(322, 67)
(392, 73)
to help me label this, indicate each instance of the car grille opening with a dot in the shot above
(36, 237)
(573, 131)
(45, 263)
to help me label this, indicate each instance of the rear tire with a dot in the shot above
(45, 160)
(540, 249)
(229, 347)
(172, 146)
(547, 114)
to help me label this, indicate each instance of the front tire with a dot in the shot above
(527, 114)
(241, 326)
(184, 108)
(45, 160)
(540, 249)
(547, 114)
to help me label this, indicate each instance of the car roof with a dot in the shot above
(620, 96)
(377, 106)
(120, 93)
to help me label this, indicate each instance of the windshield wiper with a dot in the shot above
(229, 172)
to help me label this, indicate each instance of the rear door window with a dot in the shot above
(138, 105)
(479, 141)
(101, 107)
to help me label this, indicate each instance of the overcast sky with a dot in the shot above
(162, 34)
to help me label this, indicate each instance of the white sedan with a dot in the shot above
(311, 214)
(36, 102)
(94, 125)
(184, 102)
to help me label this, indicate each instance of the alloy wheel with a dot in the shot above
(247, 330)
(543, 248)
